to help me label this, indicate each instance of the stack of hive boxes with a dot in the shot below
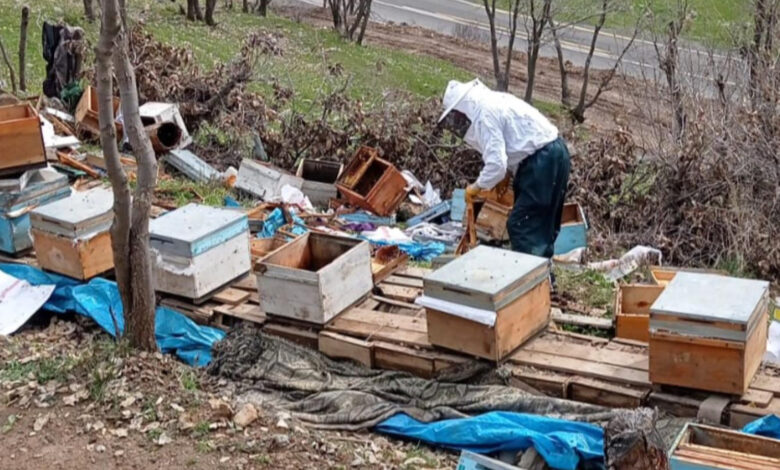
(71, 235)
(198, 249)
(18, 196)
(487, 302)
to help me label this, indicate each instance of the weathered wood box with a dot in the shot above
(708, 332)
(21, 140)
(87, 113)
(264, 181)
(632, 310)
(319, 180)
(71, 235)
(157, 113)
(491, 221)
(18, 196)
(372, 183)
(198, 249)
(701, 447)
(314, 277)
(487, 302)
(574, 229)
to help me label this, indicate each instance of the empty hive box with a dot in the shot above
(198, 249)
(708, 332)
(632, 310)
(319, 180)
(20, 139)
(314, 277)
(372, 183)
(701, 447)
(18, 196)
(71, 235)
(87, 113)
(487, 302)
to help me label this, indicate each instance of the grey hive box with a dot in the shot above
(708, 332)
(314, 277)
(71, 235)
(514, 286)
(198, 249)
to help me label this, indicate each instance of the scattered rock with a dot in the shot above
(414, 462)
(127, 402)
(224, 459)
(357, 462)
(119, 453)
(220, 409)
(185, 422)
(100, 448)
(119, 432)
(177, 408)
(164, 439)
(282, 424)
(281, 440)
(41, 422)
(245, 416)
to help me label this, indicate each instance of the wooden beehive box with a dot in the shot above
(701, 447)
(158, 113)
(372, 183)
(491, 221)
(708, 332)
(20, 139)
(264, 181)
(487, 302)
(87, 113)
(198, 249)
(574, 229)
(18, 196)
(632, 310)
(71, 235)
(319, 180)
(314, 277)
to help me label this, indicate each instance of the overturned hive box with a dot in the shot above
(700, 447)
(154, 113)
(198, 249)
(319, 180)
(632, 310)
(20, 139)
(18, 196)
(372, 183)
(264, 181)
(314, 277)
(708, 332)
(487, 302)
(71, 235)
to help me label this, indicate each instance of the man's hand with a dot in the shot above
(472, 191)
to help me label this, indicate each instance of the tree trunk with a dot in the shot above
(23, 48)
(490, 9)
(130, 227)
(364, 23)
(263, 10)
(193, 11)
(89, 10)
(245, 6)
(538, 24)
(210, 6)
(565, 91)
(11, 74)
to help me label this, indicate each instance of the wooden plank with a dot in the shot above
(585, 368)
(247, 312)
(231, 296)
(404, 294)
(740, 414)
(396, 357)
(767, 383)
(760, 398)
(301, 336)
(201, 314)
(397, 303)
(603, 393)
(404, 281)
(368, 324)
(589, 353)
(551, 383)
(337, 346)
(413, 271)
(681, 406)
(247, 283)
(581, 320)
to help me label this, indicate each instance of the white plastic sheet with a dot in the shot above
(485, 317)
(19, 301)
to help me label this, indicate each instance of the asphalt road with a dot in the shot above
(458, 17)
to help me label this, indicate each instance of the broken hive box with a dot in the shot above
(154, 113)
(632, 310)
(314, 277)
(87, 113)
(18, 196)
(372, 183)
(708, 332)
(487, 302)
(264, 181)
(71, 235)
(319, 180)
(20, 139)
(574, 229)
(198, 249)
(701, 447)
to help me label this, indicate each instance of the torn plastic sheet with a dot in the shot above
(768, 426)
(19, 301)
(563, 444)
(98, 298)
(632, 260)
(485, 317)
(417, 251)
(276, 220)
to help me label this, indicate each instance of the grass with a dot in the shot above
(42, 370)
(183, 191)
(189, 381)
(589, 287)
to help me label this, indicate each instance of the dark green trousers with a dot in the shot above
(540, 190)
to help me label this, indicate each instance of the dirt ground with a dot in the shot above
(72, 398)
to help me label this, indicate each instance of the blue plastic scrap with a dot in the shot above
(563, 444)
(99, 297)
(276, 220)
(768, 426)
(416, 250)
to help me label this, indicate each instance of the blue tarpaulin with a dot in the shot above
(275, 221)
(768, 426)
(563, 444)
(416, 250)
(97, 298)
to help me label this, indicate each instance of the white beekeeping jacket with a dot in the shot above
(504, 128)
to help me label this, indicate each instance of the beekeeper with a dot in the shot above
(513, 137)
